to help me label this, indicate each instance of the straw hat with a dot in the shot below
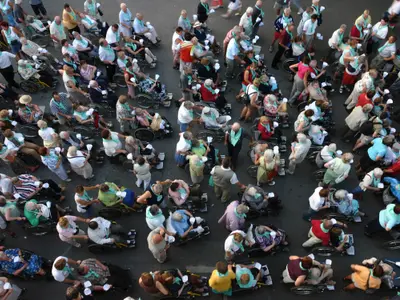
(25, 99)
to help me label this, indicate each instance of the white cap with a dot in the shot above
(206, 109)
(276, 124)
(257, 57)
(217, 66)
(285, 100)
(359, 46)
(390, 101)
(386, 91)
(339, 152)
(333, 221)
(129, 156)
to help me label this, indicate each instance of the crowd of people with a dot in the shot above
(98, 58)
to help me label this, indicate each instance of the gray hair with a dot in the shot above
(208, 82)
(249, 10)
(187, 135)
(332, 147)
(378, 172)
(341, 194)
(64, 134)
(347, 157)
(130, 140)
(261, 229)
(367, 108)
(344, 26)
(176, 216)
(242, 209)
(268, 155)
(252, 191)
(157, 188)
(188, 104)
(72, 151)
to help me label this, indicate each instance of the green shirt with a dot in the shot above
(31, 215)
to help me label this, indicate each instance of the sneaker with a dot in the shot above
(132, 232)
(271, 49)
(200, 230)
(271, 183)
(68, 180)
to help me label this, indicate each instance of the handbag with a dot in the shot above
(368, 290)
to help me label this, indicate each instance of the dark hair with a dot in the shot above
(195, 143)
(346, 40)
(63, 42)
(179, 29)
(147, 279)
(72, 293)
(104, 188)
(226, 162)
(188, 36)
(154, 209)
(378, 271)
(370, 94)
(140, 160)
(21, 104)
(309, 113)
(4, 23)
(221, 267)
(306, 59)
(174, 186)
(55, 93)
(3, 201)
(60, 264)
(394, 37)
(115, 26)
(105, 133)
(397, 209)
(93, 225)
(314, 16)
(306, 262)
(8, 133)
(79, 188)
(66, 5)
(386, 19)
(42, 151)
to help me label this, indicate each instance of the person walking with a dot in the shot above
(234, 140)
(6, 68)
(223, 178)
(39, 9)
(158, 245)
(299, 152)
(69, 232)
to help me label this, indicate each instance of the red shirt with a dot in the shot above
(264, 133)
(363, 100)
(317, 231)
(284, 38)
(355, 32)
(395, 168)
(207, 95)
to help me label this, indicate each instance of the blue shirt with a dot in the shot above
(138, 26)
(394, 186)
(377, 149)
(388, 218)
(183, 225)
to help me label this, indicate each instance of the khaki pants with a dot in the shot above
(313, 240)
(352, 99)
(222, 193)
(286, 277)
(315, 276)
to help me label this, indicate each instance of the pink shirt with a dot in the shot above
(302, 69)
(70, 230)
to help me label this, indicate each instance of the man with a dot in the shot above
(186, 80)
(57, 32)
(212, 119)
(113, 37)
(125, 114)
(234, 140)
(280, 24)
(62, 270)
(309, 31)
(184, 22)
(232, 56)
(285, 41)
(318, 201)
(336, 41)
(84, 45)
(102, 231)
(158, 245)
(108, 57)
(223, 178)
(186, 225)
(32, 49)
(386, 54)
(246, 22)
(320, 232)
(69, 138)
(6, 68)
(61, 107)
(364, 85)
(28, 112)
(185, 115)
(70, 19)
(19, 16)
(146, 30)
(38, 9)
(257, 18)
(378, 35)
(16, 142)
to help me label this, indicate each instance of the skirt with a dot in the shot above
(129, 199)
(349, 79)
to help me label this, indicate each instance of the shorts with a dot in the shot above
(277, 34)
(280, 6)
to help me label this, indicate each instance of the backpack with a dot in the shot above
(367, 128)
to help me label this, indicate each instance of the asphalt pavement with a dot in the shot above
(294, 190)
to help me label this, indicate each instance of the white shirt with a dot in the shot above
(182, 145)
(5, 59)
(366, 81)
(78, 160)
(326, 155)
(58, 275)
(5, 184)
(47, 134)
(100, 234)
(106, 54)
(79, 207)
(229, 245)
(232, 50)
(184, 115)
(10, 144)
(309, 27)
(80, 44)
(175, 46)
(316, 201)
(387, 50)
(380, 30)
(111, 36)
(394, 8)
(70, 230)
(58, 31)
(110, 146)
(233, 179)
(334, 40)
(245, 21)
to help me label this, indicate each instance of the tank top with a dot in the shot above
(154, 199)
(302, 69)
(5, 6)
(294, 269)
(186, 48)
(11, 35)
(250, 76)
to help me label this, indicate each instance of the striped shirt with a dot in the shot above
(25, 186)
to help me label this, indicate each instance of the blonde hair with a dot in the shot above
(63, 222)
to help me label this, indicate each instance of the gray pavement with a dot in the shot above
(293, 190)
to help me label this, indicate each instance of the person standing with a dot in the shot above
(233, 140)
(281, 4)
(285, 41)
(69, 232)
(257, 18)
(6, 68)
(232, 56)
(318, 201)
(185, 115)
(19, 15)
(157, 244)
(108, 57)
(221, 279)
(309, 31)
(38, 9)
(125, 21)
(141, 168)
(57, 32)
(53, 160)
(223, 178)
(280, 24)
(386, 54)
(299, 152)
(79, 161)
(70, 19)
(246, 21)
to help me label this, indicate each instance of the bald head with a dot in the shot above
(57, 19)
(157, 238)
(259, 3)
(235, 126)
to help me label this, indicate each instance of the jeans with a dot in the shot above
(183, 126)
(307, 216)
(278, 56)
(357, 190)
(231, 64)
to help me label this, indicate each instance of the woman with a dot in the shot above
(203, 10)
(143, 117)
(364, 278)
(251, 100)
(305, 16)
(365, 19)
(67, 60)
(154, 194)
(154, 217)
(40, 213)
(28, 112)
(273, 108)
(79, 161)
(250, 73)
(234, 244)
(89, 72)
(85, 115)
(83, 201)
(135, 147)
(266, 128)
(26, 264)
(69, 232)
(337, 169)
(355, 119)
(345, 203)
(266, 238)
(12, 36)
(234, 216)
(112, 143)
(183, 146)
(67, 48)
(299, 152)
(135, 48)
(141, 169)
(150, 283)
(352, 72)
(327, 153)
(387, 219)
(196, 168)
(7, 9)
(300, 79)
(109, 195)
(200, 148)
(53, 160)
(72, 87)
(304, 120)
(179, 192)
(125, 21)
(267, 167)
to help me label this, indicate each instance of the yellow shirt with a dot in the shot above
(221, 284)
(360, 278)
(69, 19)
